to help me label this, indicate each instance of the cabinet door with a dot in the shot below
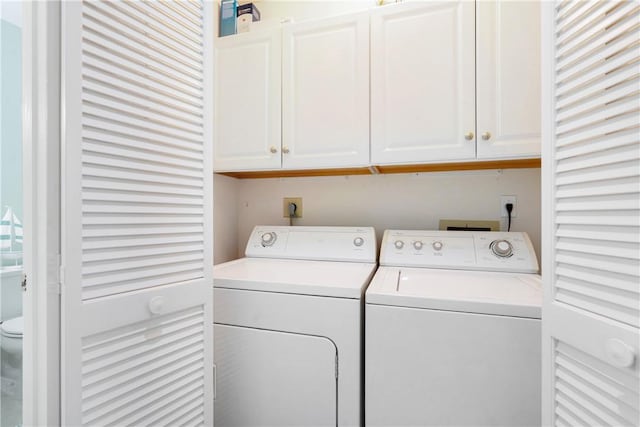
(247, 102)
(508, 68)
(326, 93)
(422, 82)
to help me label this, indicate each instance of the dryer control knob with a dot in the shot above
(269, 238)
(417, 245)
(358, 241)
(437, 246)
(501, 248)
(399, 244)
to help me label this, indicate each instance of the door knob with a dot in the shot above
(619, 353)
(157, 305)
(486, 136)
(468, 136)
(285, 150)
(274, 150)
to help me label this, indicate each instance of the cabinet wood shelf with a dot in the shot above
(387, 169)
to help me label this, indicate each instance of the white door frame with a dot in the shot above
(41, 181)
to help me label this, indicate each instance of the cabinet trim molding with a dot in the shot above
(386, 169)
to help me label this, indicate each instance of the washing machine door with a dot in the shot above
(270, 378)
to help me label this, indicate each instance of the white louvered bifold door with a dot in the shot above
(591, 213)
(137, 319)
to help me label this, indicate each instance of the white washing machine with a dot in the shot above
(453, 331)
(288, 327)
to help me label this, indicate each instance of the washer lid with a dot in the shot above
(504, 294)
(322, 278)
(13, 327)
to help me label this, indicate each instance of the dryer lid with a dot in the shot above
(503, 294)
(321, 278)
(13, 327)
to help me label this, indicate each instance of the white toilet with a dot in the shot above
(11, 342)
(11, 371)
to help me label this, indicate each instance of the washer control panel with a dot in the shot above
(464, 250)
(356, 244)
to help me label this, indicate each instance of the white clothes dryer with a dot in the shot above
(288, 327)
(453, 331)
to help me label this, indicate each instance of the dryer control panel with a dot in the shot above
(459, 250)
(355, 244)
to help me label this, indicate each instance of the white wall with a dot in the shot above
(411, 201)
(225, 218)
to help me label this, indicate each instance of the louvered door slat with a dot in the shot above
(121, 105)
(100, 45)
(147, 146)
(137, 187)
(181, 21)
(111, 128)
(574, 97)
(579, 80)
(572, 11)
(168, 26)
(107, 172)
(124, 119)
(105, 160)
(591, 313)
(123, 151)
(112, 13)
(618, 31)
(601, 144)
(192, 7)
(109, 73)
(114, 219)
(151, 101)
(137, 300)
(105, 20)
(615, 234)
(124, 254)
(602, 16)
(157, 30)
(615, 105)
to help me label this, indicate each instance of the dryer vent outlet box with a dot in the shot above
(285, 206)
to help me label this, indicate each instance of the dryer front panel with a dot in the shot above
(271, 378)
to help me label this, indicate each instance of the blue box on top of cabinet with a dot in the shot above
(228, 10)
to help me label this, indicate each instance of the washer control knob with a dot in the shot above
(358, 241)
(501, 248)
(268, 239)
(417, 245)
(437, 246)
(399, 244)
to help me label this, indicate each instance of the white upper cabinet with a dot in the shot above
(409, 83)
(508, 79)
(423, 82)
(325, 75)
(247, 110)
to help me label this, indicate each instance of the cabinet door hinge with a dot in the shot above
(215, 381)
(61, 279)
(23, 284)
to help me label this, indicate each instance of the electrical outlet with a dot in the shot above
(285, 206)
(503, 210)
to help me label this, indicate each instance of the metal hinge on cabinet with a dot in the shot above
(215, 381)
(61, 279)
(23, 284)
